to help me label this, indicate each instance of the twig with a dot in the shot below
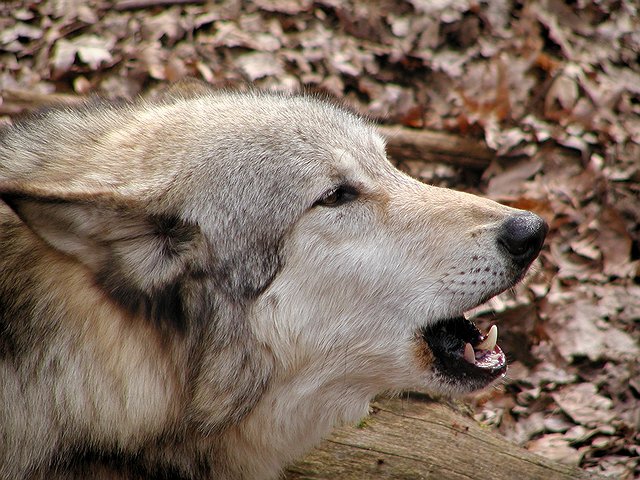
(138, 4)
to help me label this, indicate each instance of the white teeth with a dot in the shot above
(469, 354)
(489, 343)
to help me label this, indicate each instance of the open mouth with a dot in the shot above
(461, 352)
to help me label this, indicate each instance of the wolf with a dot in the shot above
(202, 284)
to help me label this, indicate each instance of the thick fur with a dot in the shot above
(177, 300)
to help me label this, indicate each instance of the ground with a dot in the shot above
(551, 87)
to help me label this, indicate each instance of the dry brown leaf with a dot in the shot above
(90, 49)
(290, 7)
(615, 243)
(576, 333)
(584, 405)
(555, 447)
(260, 64)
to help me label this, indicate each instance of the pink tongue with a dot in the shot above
(488, 359)
(487, 352)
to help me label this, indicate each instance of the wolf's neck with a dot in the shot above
(290, 419)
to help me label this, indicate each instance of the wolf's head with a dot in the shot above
(270, 235)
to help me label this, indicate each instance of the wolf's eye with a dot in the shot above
(338, 196)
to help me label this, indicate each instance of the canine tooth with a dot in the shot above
(469, 354)
(490, 340)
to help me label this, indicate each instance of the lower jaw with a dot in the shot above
(463, 372)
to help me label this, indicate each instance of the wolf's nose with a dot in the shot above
(522, 235)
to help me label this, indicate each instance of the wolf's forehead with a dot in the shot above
(287, 114)
(301, 123)
(349, 164)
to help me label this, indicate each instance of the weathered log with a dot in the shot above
(18, 102)
(424, 439)
(429, 146)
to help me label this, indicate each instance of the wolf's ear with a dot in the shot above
(136, 257)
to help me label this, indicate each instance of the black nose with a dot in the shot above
(522, 236)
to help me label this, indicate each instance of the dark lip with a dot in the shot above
(447, 338)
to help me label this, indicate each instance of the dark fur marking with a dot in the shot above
(175, 233)
(163, 305)
(8, 345)
(83, 462)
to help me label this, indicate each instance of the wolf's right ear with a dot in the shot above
(135, 257)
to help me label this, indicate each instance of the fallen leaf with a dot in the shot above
(574, 332)
(259, 64)
(93, 50)
(555, 447)
(583, 404)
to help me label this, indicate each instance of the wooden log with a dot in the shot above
(424, 439)
(429, 146)
(17, 102)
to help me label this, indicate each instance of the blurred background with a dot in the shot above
(535, 104)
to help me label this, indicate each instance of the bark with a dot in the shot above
(429, 146)
(424, 439)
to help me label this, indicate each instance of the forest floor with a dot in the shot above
(551, 87)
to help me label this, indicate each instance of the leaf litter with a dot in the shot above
(552, 87)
